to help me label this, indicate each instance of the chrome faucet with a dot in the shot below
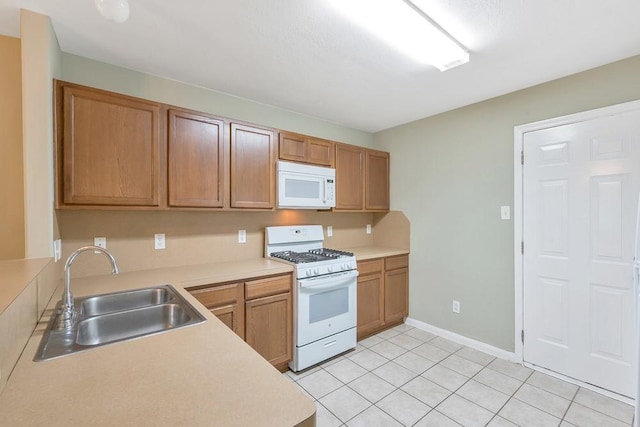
(67, 316)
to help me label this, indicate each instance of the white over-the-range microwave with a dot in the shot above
(303, 186)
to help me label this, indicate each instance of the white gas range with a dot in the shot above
(324, 294)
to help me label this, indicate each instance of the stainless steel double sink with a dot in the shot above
(114, 317)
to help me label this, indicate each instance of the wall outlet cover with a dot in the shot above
(57, 250)
(329, 231)
(456, 307)
(159, 241)
(368, 228)
(242, 236)
(100, 242)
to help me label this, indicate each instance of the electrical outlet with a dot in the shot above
(242, 236)
(505, 212)
(100, 242)
(57, 250)
(368, 228)
(159, 240)
(456, 307)
(329, 231)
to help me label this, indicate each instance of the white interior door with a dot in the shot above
(580, 190)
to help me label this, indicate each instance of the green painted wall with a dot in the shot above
(88, 72)
(450, 174)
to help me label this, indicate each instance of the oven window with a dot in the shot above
(302, 189)
(328, 304)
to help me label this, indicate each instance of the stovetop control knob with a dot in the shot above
(316, 271)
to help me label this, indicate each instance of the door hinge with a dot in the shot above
(522, 157)
(522, 336)
(522, 247)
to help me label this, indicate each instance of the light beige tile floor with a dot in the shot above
(408, 377)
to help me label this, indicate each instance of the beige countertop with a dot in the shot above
(371, 252)
(198, 375)
(15, 275)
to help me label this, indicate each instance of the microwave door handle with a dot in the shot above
(326, 188)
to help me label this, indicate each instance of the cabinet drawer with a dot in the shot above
(216, 296)
(269, 286)
(369, 267)
(396, 262)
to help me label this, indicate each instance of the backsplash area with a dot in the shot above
(192, 237)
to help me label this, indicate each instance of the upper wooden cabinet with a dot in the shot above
(376, 180)
(362, 179)
(305, 149)
(118, 152)
(196, 157)
(349, 177)
(108, 148)
(252, 167)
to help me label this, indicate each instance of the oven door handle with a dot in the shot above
(327, 283)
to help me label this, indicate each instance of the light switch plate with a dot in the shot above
(505, 212)
(368, 228)
(160, 242)
(329, 231)
(242, 236)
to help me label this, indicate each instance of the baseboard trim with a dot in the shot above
(461, 339)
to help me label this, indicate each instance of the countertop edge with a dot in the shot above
(15, 277)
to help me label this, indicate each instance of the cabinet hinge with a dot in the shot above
(522, 247)
(522, 336)
(522, 157)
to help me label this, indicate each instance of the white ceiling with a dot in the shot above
(302, 56)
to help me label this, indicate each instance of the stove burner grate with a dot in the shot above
(313, 255)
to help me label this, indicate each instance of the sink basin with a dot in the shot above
(109, 303)
(129, 324)
(110, 318)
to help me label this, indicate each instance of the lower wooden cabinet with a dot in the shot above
(370, 297)
(269, 318)
(269, 327)
(259, 311)
(383, 293)
(226, 302)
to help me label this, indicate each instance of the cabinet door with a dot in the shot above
(225, 302)
(370, 304)
(110, 148)
(349, 177)
(252, 167)
(320, 152)
(228, 314)
(269, 327)
(196, 160)
(396, 295)
(376, 180)
(292, 146)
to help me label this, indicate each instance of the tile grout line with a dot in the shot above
(570, 403)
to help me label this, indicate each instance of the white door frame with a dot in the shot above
(519, 132)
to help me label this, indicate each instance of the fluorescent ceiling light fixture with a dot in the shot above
(407, 28)
(113, 10)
